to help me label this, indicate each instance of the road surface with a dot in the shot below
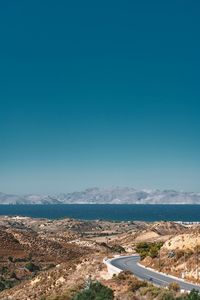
(130, 263)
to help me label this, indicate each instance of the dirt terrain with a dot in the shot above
(46, 259)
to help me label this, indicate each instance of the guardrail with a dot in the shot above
(111, 269)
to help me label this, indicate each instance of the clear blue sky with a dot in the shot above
(99, 93)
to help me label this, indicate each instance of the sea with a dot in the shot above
(112, 212)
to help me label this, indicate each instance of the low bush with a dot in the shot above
(135, 284)
(194, 295)
(145, 249)
(124, 275)
(95, 291)
(150, 291)
(173, 286)
(118, 248)
(32, 267)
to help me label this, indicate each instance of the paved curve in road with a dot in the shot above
(130, 263)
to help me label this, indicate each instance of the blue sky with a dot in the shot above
(99, 93)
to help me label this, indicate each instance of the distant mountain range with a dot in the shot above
(106, 196)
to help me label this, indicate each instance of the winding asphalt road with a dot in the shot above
(131, 263)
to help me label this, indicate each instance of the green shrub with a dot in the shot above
(4, 270)
(145, 249)
(6, 284)
(194, 295)
(2, 286)
(31, 267)
(95, 291)
(10, 258)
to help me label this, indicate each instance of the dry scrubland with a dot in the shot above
(44, 259)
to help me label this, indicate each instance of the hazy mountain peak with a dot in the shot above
(113, 195)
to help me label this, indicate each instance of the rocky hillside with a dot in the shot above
(179, 255)
(53, 259)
